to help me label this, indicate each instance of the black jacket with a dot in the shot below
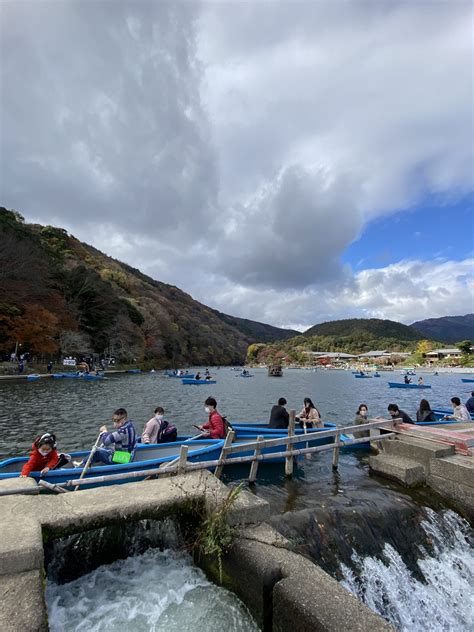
(279, 417)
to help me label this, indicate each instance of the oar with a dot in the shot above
(89, 460)
(192, 438)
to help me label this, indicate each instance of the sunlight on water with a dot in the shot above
(444, 602)
(154, 592)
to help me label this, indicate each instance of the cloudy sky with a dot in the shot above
(290, 162)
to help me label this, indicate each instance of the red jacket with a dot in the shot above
(215, 425)
(37, 461)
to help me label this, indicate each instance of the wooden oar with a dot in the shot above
(89, 460)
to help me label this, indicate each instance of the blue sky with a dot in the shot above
(432, 230)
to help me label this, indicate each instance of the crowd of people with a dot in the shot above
(119, 445)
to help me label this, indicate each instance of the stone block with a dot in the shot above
(16, 484)
(406, 471)
(418, 450)
(458, 468)
(21, 546)
(462, 496)
(22, 602)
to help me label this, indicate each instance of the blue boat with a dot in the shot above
(72, 375)
(57, 376)
(376, 374)
(247, 375)
(441, 412)
(193, 381)
(403, 385)
(88, 376)
(33, 377)
(361, 376)
(146, 457)
(133, 371)
(467, 379)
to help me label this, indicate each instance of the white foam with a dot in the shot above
(153, 592)
(444, 603)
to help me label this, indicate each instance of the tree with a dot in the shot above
(465, 347)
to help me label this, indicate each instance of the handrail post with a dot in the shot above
(183, 456)
(289, 446)
(335, 454)
(255, 463)
(226, 448)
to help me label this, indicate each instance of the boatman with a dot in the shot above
(123, 438)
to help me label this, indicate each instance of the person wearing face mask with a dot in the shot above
(309, 417)
(215, 427)
(158, 430)
(361, 418)
(43, 457)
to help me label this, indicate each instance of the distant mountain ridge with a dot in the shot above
(450, 329)
(374, 327)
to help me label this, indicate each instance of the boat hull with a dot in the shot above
(197, 382)
(401, 385)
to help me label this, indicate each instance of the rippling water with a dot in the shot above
(75, 409)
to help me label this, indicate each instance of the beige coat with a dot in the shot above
(312, 417)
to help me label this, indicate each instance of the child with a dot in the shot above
(44, 456)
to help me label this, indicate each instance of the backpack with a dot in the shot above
(227, 425)
(168, 432)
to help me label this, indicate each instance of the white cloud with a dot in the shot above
(237, 149)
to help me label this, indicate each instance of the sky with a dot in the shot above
(290, 162)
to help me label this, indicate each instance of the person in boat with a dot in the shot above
(460, 412)
(122, 438)
(360, 419)
(279, 417)
(245, 372)
(470, 403)
(396, 413)
(158, 430)
(420, 381)
(424, 412)
(208, 376)
(44, 456)
(309, 417)
(406, 379)
(215, 427)
(206, 372)
(197, 376)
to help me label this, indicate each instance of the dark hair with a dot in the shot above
(425, 405)
(361, 406)
(210, 401)
(393, 407)
(281, 401)
(160, 410)
(456, 401)
(46, 439)
(308, 401)
(121, 412)
(472, 394)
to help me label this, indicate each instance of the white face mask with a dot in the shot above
(43, 452)
(207, 409)
(158, 417)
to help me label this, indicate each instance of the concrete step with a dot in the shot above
(417, 449)
(456, 468)
(402, 469)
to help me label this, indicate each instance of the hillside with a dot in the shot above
(61, 296)
(348, 336)
(375, 328)
(255, 331)
(450, 329)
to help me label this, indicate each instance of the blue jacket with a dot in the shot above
(124, 438)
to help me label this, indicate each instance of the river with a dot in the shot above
(406, 554)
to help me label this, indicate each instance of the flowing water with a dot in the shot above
(402, 552)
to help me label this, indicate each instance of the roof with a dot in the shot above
(453, 350)
(330, 354)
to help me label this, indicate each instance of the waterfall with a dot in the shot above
(441, 599)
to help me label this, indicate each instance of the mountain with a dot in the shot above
(61, 296)
(375, 328)
(450, 329)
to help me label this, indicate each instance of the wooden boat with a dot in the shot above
(146, 457)
(275, 370)
(403, 385)
(193, 381)
(247, 375)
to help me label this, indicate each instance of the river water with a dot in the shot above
(403, 552)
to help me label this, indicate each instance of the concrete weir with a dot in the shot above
(282, 589)
(440, 458)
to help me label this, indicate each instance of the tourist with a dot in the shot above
(407, 379)
(279, 417)
(215, 427)
(44, 456)
(197, 376)
(460, 412)
(470, 403)
(424, 412)
(360, 419)
(123, 438)
(420, 381)
(309, 417)
(396, 413)
(158, 430)
(21, 367)
(208, 377)
(49, 368)
(206, 372)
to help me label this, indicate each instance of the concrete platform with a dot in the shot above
(419, 450)
(406, 471)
